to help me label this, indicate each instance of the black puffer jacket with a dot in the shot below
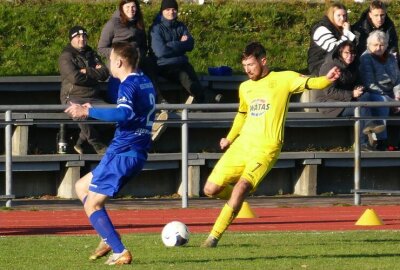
(74, 83)
(342, 89)
(363, 27)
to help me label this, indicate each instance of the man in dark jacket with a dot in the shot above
(375, 18)
(81, 70)
(170, 40)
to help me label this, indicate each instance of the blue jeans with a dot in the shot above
(380, 111)
(368, 111)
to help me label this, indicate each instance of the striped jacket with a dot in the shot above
(324, 38)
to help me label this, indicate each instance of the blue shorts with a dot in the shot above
(114, 171)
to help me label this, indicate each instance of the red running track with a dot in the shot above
(198, 220)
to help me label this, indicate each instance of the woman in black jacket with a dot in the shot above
(328, 33)
(345, 89)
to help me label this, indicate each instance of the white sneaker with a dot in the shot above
(159, 127)
(373, 128)
(125, 257)
(189, 100)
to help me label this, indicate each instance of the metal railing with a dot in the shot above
(184, 121)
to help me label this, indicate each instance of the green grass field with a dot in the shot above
(266, 250)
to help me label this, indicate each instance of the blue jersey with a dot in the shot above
(136, 97)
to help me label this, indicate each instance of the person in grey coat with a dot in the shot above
(81, 70)
(380, 76)
(347, 88)
(127, 25)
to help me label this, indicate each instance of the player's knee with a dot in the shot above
(211, 190)
(243, 186)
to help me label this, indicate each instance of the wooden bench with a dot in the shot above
(70, 165)
(305, 166)
(46, 89)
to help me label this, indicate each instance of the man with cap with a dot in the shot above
(81, 71)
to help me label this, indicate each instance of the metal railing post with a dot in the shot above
(8, 146)
(357, 156)
(184, 158)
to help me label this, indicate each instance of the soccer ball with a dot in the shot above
(175, 234)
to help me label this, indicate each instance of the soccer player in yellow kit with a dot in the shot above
(256, 137)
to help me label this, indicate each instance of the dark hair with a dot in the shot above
(139, 22)
(376, 4)
(254, 49)
(127, 51)
(346, 43)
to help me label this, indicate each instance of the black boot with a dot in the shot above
(381, 145)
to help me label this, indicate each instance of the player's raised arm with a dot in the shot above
(333, 74)
(319, 83)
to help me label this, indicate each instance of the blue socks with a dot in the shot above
(104, 227)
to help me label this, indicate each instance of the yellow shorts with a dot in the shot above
(251, 162)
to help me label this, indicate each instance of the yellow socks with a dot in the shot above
(223, 221)
(226, 193)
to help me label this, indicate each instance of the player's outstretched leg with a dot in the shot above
(223, 221)
(228, 212)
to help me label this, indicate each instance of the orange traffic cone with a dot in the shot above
(246, 212)
(369, 218)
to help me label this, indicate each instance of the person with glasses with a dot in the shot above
(347, 88)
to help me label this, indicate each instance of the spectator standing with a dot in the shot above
(346, 88)
(81, 71)
(332, 30)
(375, 18)
(127, 25)
(380, 76)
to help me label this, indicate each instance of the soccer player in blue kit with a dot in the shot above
(127, 152)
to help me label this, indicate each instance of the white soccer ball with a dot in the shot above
(175, 234)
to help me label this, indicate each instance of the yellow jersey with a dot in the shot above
(263, 105)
